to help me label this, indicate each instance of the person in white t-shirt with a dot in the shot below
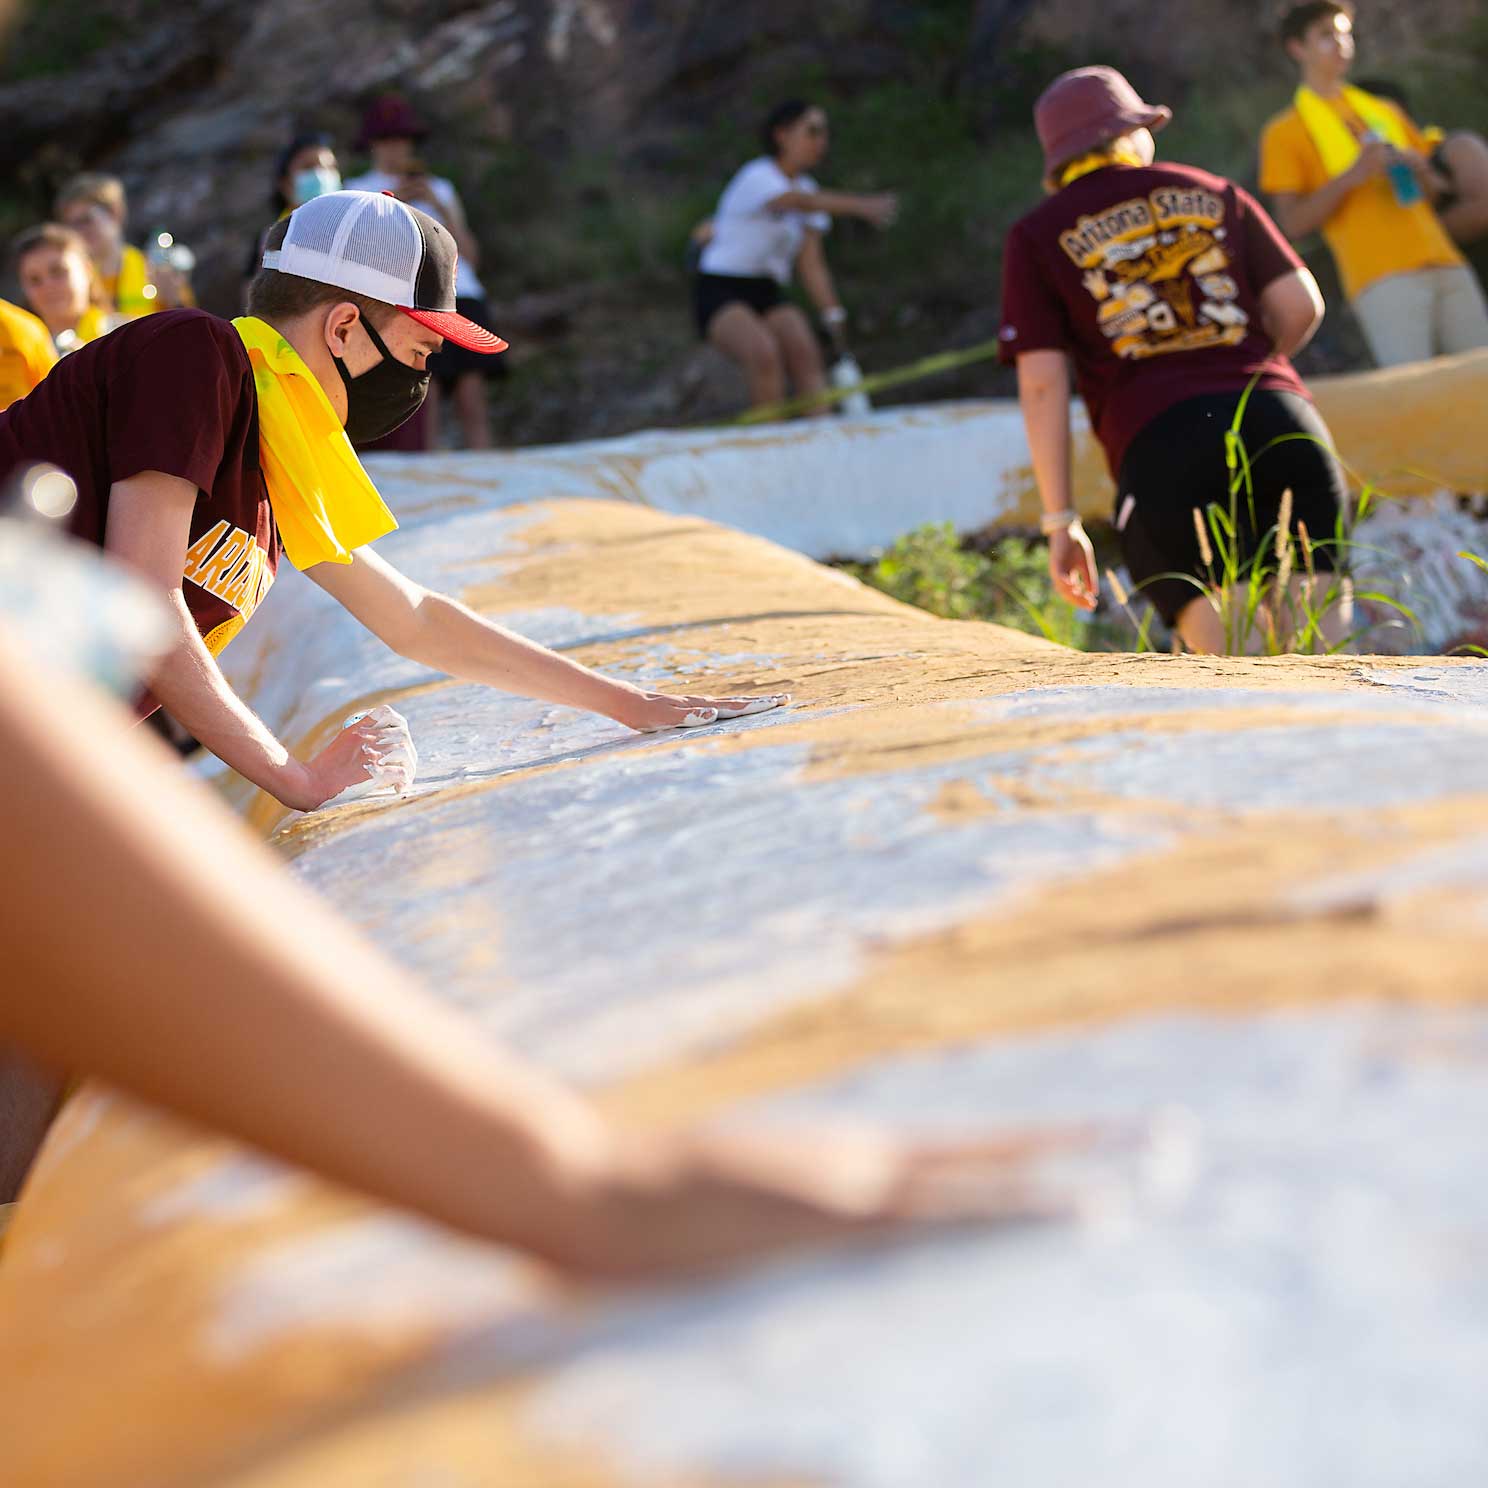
(391, 130)
(769, 224)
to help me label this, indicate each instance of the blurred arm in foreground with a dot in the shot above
(259, 1013)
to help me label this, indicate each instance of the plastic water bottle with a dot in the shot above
(1402, 178)
(847, 374)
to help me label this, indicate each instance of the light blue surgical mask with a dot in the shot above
(321, 181)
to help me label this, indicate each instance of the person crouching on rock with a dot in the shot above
(769, 224)
(201, 449)
(1177, 300)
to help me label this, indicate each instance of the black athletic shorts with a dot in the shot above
(711, 292)
(1177, 464)
(452, 362)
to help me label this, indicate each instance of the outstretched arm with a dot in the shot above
(448, 636)
(149, 523)
(881, 208)
(279, 1026)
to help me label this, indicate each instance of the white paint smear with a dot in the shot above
(382, 1278)
(660, 901)
(1313, 1312)
(827, 488)
(657, 902)
(232, 1190)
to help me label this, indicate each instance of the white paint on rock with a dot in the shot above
(1313, 1311)
(1466, 685)
(826, 488)
(382, 1278)
(232, 1190)
(1411, 551)
(662, 900)
(1309, 1311)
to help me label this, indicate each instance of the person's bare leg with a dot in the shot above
(1466, 155)
(470, 408)
(800, 350)
(743, 337)
(1323, 599)
(1273, 628)
(1202, 627)
(28, 1100)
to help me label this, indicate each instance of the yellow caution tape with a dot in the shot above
(930, 366)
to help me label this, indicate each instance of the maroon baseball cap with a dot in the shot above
(1083, 109)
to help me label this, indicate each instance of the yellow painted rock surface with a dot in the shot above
(970, 880)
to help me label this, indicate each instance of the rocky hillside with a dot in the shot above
(588, 135)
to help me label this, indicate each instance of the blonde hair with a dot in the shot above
(96, 189)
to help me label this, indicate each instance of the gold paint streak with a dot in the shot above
(1210, 926)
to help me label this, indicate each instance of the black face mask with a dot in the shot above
(383, 397)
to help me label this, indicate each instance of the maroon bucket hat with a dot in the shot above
(1081, 110)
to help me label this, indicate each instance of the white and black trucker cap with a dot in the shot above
(375, 245)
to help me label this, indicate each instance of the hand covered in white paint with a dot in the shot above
(1072, 566)
(715, 1200)
(374, 747)
(650, 712)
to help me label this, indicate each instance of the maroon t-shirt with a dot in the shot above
(1150, 279)
(172, 392)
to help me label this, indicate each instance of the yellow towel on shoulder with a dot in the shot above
(324, 502)
(1334, 139)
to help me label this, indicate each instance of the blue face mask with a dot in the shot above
(321, 181)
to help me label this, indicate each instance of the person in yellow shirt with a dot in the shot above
(26, 352)
(62, 286)
(94, 207)
(1460, 156)
(1354, 166)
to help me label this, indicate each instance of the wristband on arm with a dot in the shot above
(1059, 521)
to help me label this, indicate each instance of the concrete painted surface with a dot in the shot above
(1232, 912)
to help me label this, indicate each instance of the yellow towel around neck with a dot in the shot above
(324, 502)
(1118, 152)
(1334, 139)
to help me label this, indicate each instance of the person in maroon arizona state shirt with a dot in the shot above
(1174, 297)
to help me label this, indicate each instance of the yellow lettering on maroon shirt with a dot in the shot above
(196, 554)
(232, 567)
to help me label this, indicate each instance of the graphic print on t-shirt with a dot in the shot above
(228, 563)
(1156, 267)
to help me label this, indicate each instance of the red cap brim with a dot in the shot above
(457, 328)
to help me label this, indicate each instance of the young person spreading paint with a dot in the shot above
(769, 224)
(1355, 167)
(1175, 297)
(202, 449)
